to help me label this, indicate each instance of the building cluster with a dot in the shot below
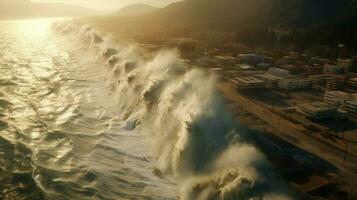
(342, 100)
(275, 78)
(323, 75)
(334, 104)
(333, 79)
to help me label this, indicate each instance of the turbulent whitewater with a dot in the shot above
(85, 117)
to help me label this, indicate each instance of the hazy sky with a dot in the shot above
(110, 4)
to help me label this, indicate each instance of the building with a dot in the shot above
(250, 59)
(317, 110)
(351, 106)
(248, 82)
(254, 73)
(293, 68)
(342, 100)
(225, 60)
(271, 81)
(294, 83)
(318, 82)
(279, 72)
(245, 67)
(345, 63)
(333, 69)
(337, 82)
(263, 65)
(287, 60)
(353, 82)
(273, 76)
(336, 98)
(329, 82)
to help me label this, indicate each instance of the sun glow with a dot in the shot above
(32, 28)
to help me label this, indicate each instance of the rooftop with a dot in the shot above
(296, 79)
(249, 79)
(269, 76)
(353, 79)
(336, 93)
(317, 107)
(225, 57)
(245, 67)
(353, 97)
(249, 55)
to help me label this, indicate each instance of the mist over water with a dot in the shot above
(84, 117)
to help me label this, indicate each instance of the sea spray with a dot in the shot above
(182, 115)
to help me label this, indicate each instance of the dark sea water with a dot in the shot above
(84, 117)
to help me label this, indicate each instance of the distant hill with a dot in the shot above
(135, 10)
(241, 14)
(206, 12)
(22, 9)
(325, 21)
(304, 13)
(284, 13)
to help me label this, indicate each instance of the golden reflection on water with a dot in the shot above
(28, 50)
(59, 131)
(28, 37)
(36, 28)
(29, 28)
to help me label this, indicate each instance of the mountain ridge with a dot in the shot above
(327, 21)
(282, 13)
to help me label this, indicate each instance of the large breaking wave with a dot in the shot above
(183, 118)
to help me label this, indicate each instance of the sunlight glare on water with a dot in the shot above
(59, 138)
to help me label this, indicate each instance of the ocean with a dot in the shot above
(85, 117)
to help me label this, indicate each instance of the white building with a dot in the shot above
(317, 110)
(245, 67)
(225, 60)
(247, 82)
(294, 83)
(343, 100)
(270, 79)
(336, 98)
(278, 72)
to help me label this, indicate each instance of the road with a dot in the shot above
(294, 134)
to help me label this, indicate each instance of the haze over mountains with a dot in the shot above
(135, 10)
(317, 21)
(337, 17)
(22, 9)
(293, 13)
(234, 14)
(271, 12)
(230, 14)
